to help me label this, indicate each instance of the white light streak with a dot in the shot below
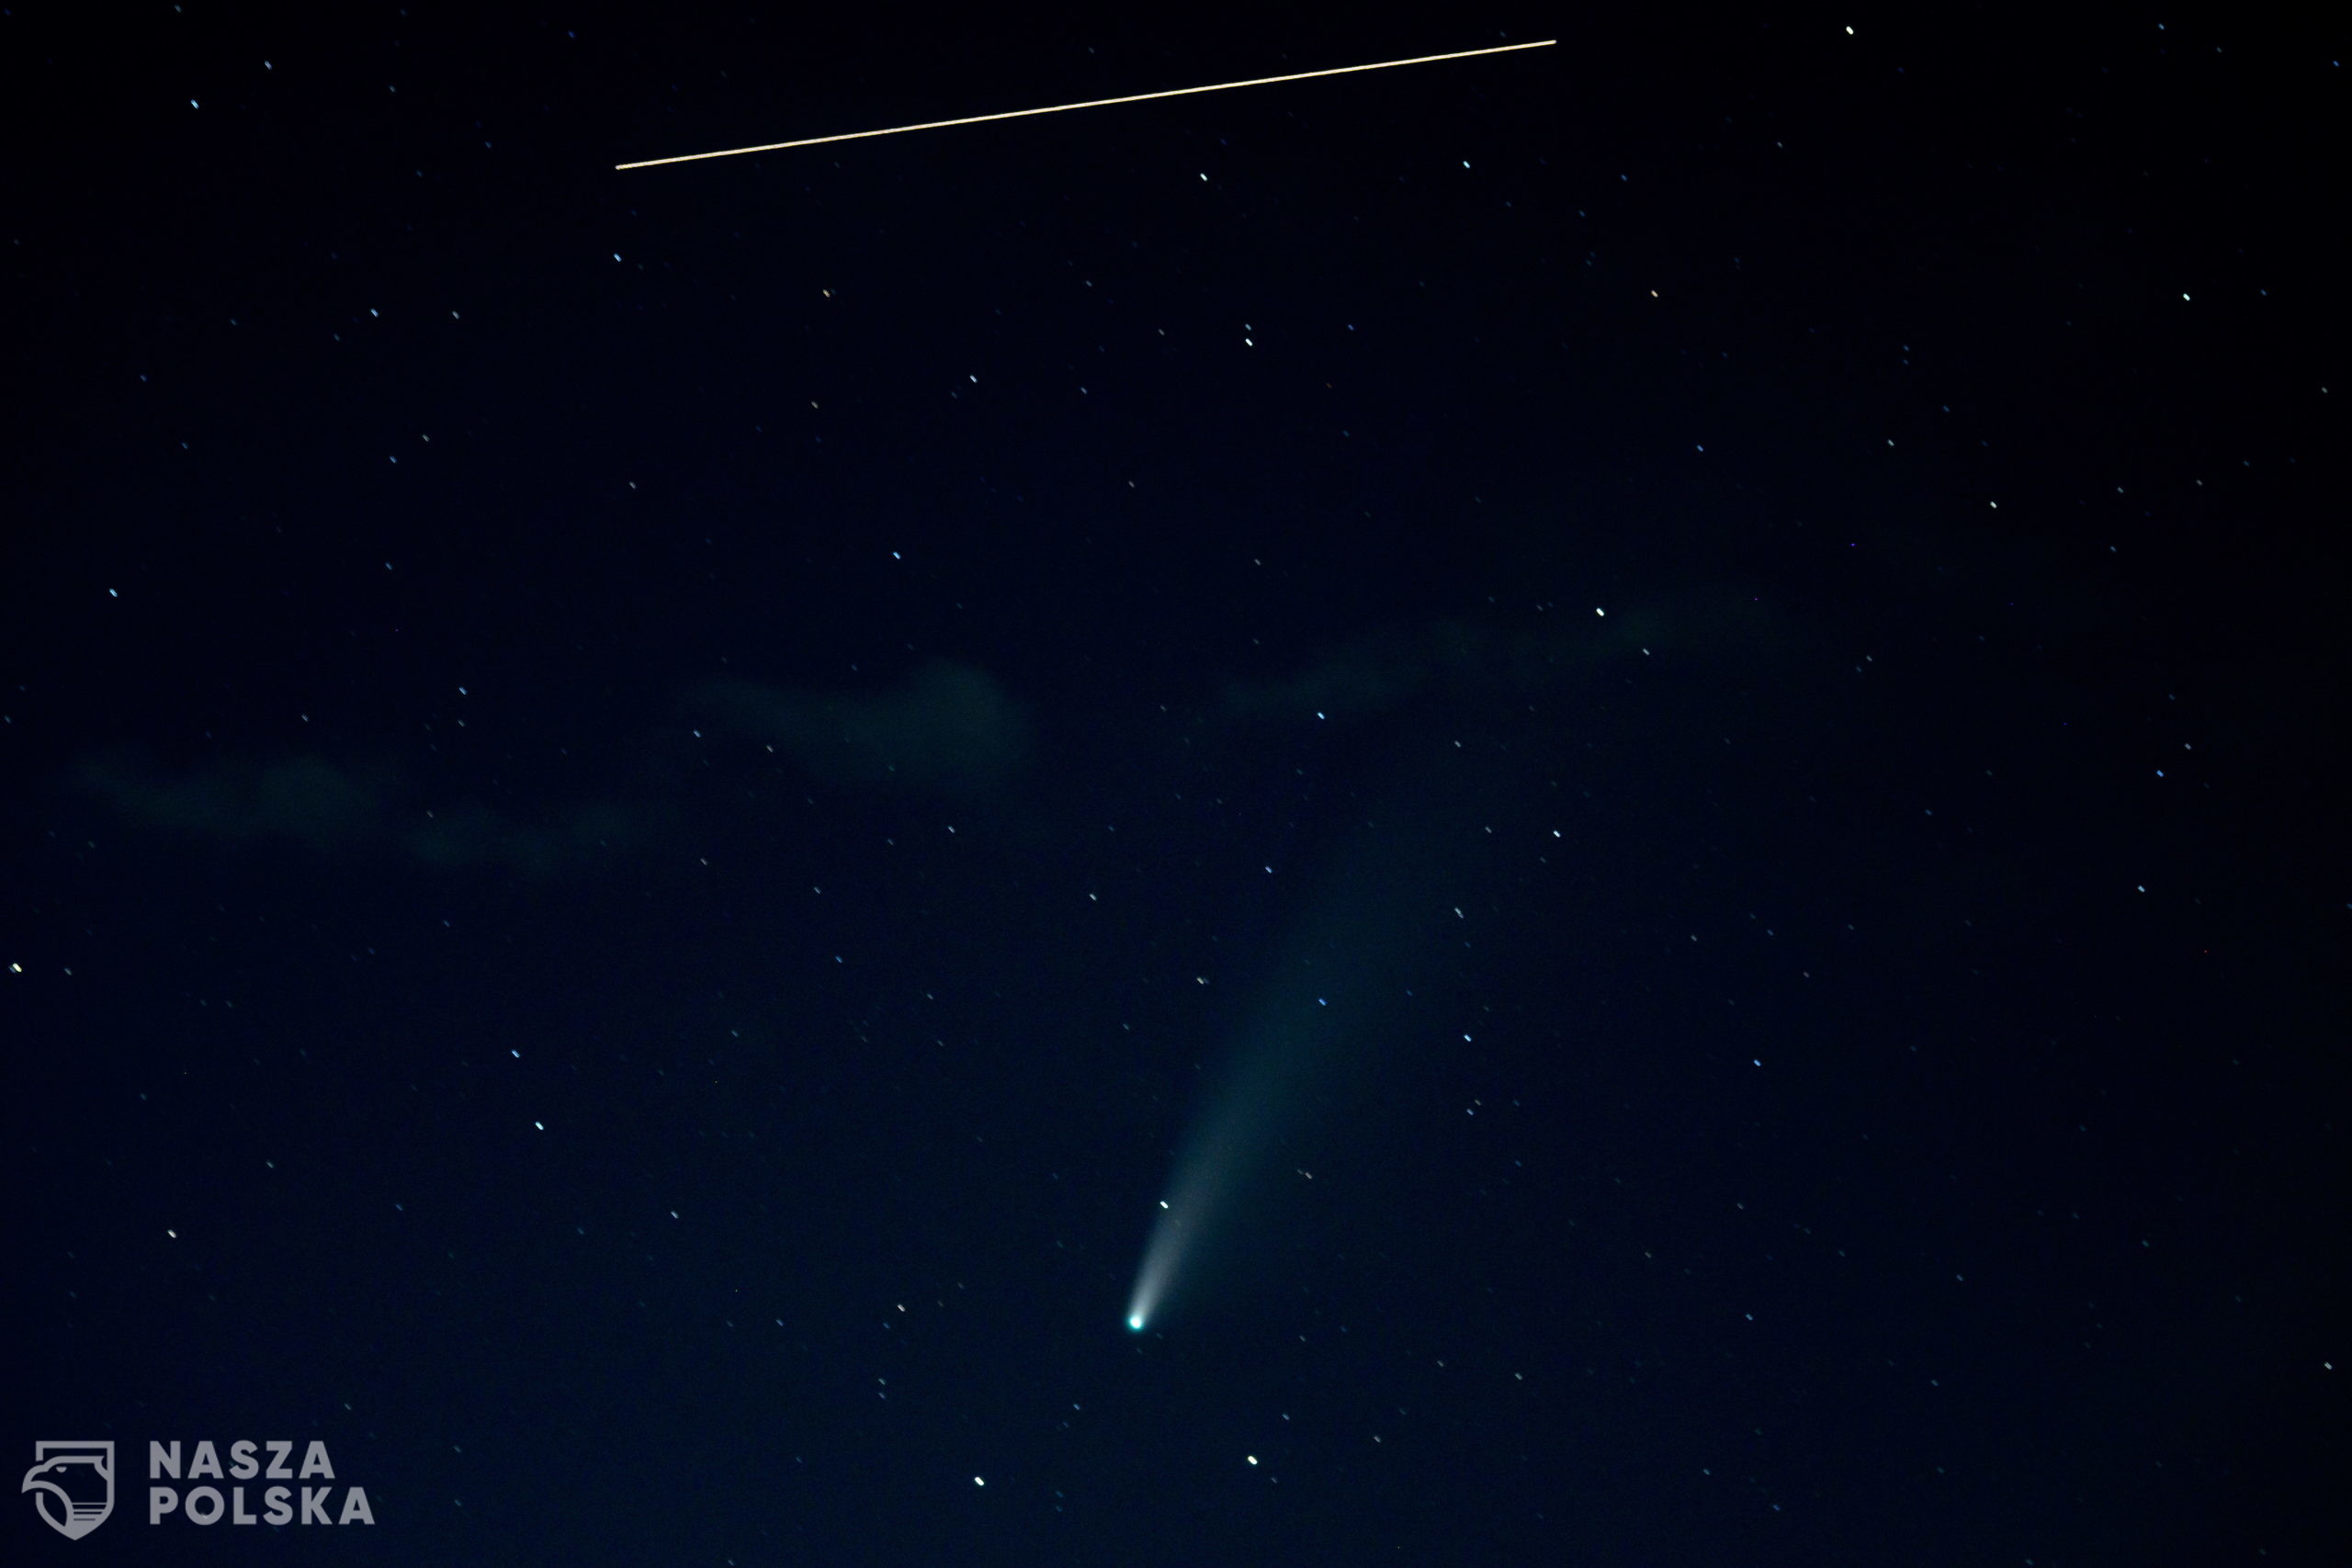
(1090, 103)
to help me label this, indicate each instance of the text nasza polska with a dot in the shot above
(279, 1504)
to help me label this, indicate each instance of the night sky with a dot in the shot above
(1656, 725)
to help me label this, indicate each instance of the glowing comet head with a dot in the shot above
(1158, 1264)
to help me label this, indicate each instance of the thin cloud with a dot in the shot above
(946, 727)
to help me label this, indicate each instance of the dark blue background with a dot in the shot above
(639, 806)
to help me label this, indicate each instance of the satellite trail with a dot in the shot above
(1090, 103)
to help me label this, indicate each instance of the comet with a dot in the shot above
(1334, 1007)
(1229, 1156)
(1170, 1238)
(1089, 104)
